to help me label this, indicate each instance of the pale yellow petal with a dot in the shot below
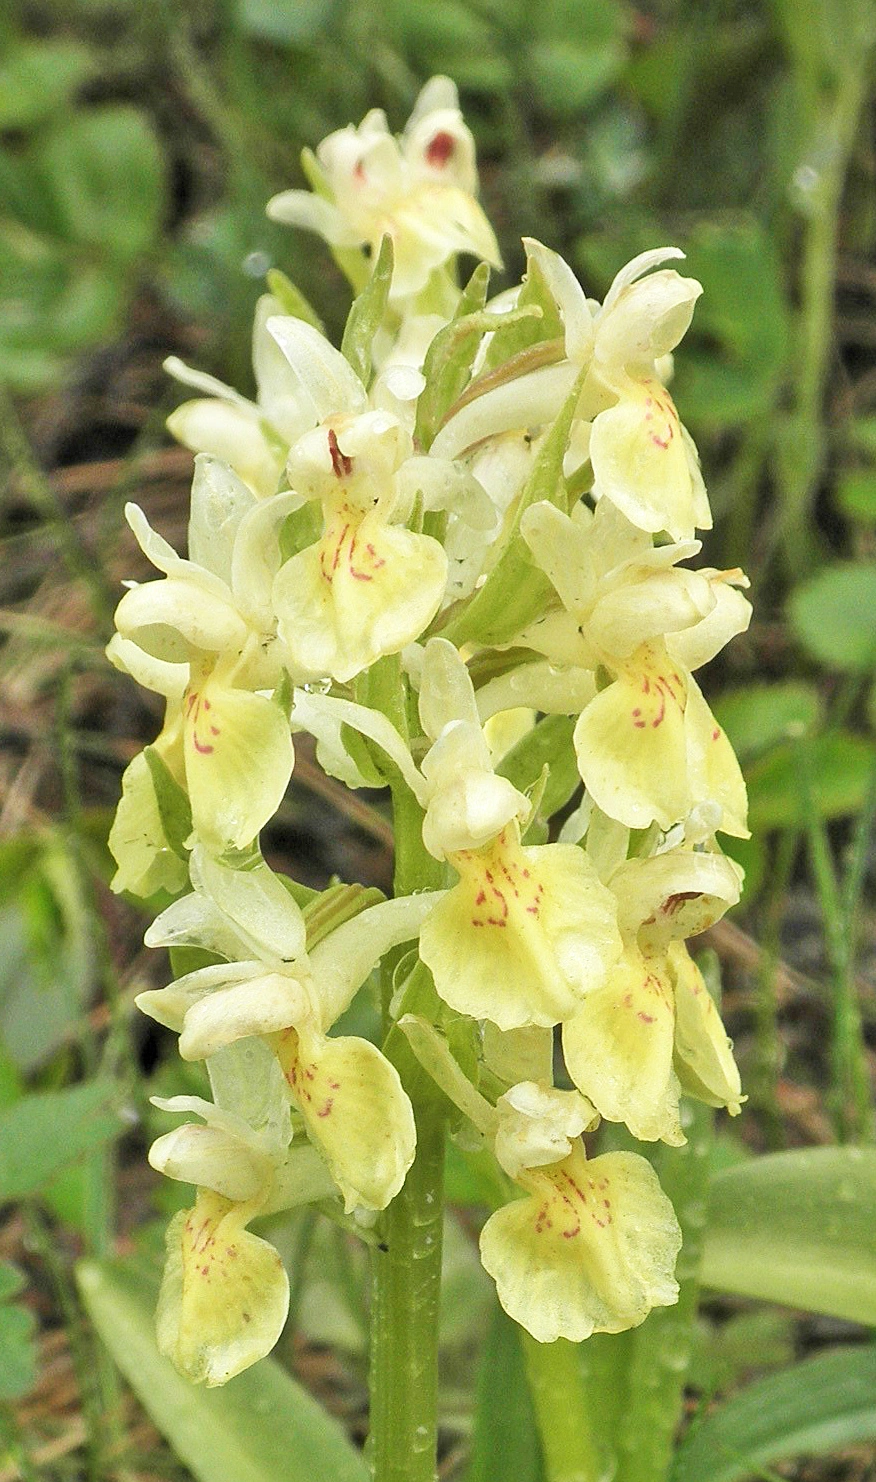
(631, 746)
(523, 935)
(238, 756)
(715, 774)
(356, 1112)
(137, 840)
(591, 1249)
(703, 1053)
(643, 464)
(361, 592)
(618, 1049)
(224, 1295)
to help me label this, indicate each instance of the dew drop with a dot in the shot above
(256, 264)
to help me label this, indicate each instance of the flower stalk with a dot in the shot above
(455, 553)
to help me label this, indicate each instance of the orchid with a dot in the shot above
(351, 1101)
(204, 639)
(648, 746)
(634, 1042)
(458, 554)
(419, 190)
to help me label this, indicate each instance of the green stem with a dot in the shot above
(768, 1045)
(802, 458)
(849, 1096)
(406, 1293)
(406, 1261)
(556, 1383)
(662, 1346)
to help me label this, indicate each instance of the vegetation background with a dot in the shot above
(138, 145)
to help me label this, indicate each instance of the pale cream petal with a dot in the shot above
(537, 1125)
(715, 774)
(631, 745)
(703, 1053)
(674, 895)
(168, 679)
(212, 1158)
(446, 690)
(618, 1049)
(642, 463)
(569, 296)
(356, 1112)
(169, 618)
(256, 901)
(219, 502)
(591, 1249)
(529, 401)
(137, 841)
(635, 268)
(235, 434)
(523, 935)
(194, 921)
(328, 384)
(239, 757)
(358, 594)
(647, 319)
(645, 605)
(563, 549)
(731, 614)
(224, 1295)
(260, 1006)
(314, 213)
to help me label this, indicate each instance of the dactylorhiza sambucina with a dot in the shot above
(457, 553)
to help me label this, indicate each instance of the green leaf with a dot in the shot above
(856, 494)
(41, 1134)
(174, 808)
(816, 1406)
(832, 616)
(547, 744)
(504, 1439)
(726, 1353)
(516, 590)
(512, 338)
(841, 766)
(17, 1335)
(288, 22)
(757, 716)
(292, 300)
(732, 363)
(367, 315)
(105, 169)
(568, 77)
(261, 1427)
(38, 77)
(447, 366)
(797, 1228)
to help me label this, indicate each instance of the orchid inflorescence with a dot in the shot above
(456, 553)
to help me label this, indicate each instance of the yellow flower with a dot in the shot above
(590, 1248)
(652, 1029)
(203, 637)
(368, 586)
(525, 934)
(350, 1097)
(224, 1295)
(419, 190)
(527, 930)
(648, 747)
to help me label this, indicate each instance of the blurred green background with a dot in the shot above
(138, 145)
